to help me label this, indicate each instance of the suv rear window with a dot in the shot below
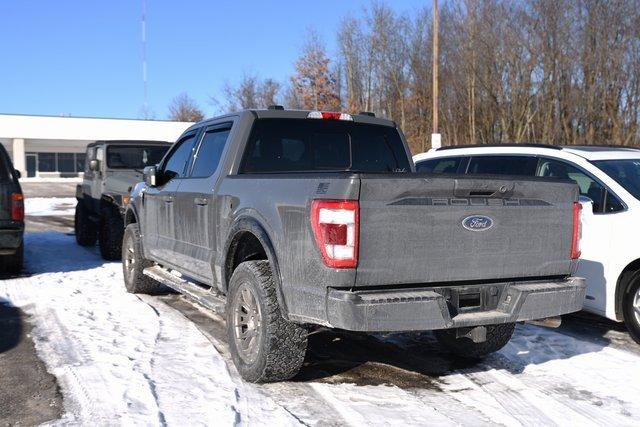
(131, 157)
(304, 145)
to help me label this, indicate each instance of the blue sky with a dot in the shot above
(83, 57)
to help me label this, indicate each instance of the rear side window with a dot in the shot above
(503, 165)
(5, 173)
(209, 153)
(303, 145)
(445, 165)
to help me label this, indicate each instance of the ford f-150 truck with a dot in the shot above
(286, 220)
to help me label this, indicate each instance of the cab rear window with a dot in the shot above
(305, 145)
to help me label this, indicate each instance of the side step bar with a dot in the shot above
(194, 292)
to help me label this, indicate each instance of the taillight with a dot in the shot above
(17, 207)
(577, 231)
(329, 115)
(335, 225)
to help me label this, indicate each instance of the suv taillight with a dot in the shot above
(577, 231)
(17, 207)
(335, 225)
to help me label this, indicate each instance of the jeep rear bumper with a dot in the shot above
(421, 309)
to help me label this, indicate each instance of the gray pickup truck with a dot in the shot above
(112, 169)
(288, 220)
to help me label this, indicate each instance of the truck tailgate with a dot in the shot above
(425, 229)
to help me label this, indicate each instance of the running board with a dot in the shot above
(192, 291)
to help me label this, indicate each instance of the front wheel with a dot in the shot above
(497, 337)
(631, 309)
(264, 346)
(133, 264)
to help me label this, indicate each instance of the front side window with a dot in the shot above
(625, 172)
(209, 153)
(176, 164)
(446, 165)
(603, 200)
(503, 165)
(304, 145)
(130, 157)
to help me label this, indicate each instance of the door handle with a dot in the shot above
(168, 199)
(201, 201)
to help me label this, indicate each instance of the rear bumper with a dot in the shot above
(10, 240)
(454, 306)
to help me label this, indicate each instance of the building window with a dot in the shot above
(63, 163)
(47, 162)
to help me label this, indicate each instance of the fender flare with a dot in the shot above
(130, 213)
(248, 224)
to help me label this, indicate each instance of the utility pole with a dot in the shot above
(145, 106)
(436, 141)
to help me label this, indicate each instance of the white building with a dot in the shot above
(50, 146)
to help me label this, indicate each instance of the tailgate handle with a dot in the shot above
(479, 189)
(200, 201)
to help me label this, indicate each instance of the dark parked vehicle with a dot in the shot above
(285, 220)
(112, 168)
(11, 217)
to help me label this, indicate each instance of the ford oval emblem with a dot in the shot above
(477, 223)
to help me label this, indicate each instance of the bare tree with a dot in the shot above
(250, 92)
(314, 85)
(185, 109)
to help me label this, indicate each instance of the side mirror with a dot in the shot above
(587, 205)
(150, 175)
(18, 174)
(94, 165)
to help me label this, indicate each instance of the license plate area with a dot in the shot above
(467, 299)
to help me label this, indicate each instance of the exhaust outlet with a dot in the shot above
(549, 322)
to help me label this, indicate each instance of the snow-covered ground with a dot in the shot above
(127, 359)
(50, 206)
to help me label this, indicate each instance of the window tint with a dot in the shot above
(5, 175)
(503, 165)
(209, 152)
(280, 145)
(588, 186)
(175, 165)
(444, 165)
(127, 157)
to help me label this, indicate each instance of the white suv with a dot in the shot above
(609, 182)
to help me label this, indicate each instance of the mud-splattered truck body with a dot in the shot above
(284, 220)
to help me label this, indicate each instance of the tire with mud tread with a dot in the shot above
(497, 337)
(254, 318)
(86, 230)
(631, 308)
(133, 262)
(111, 234)
(12, 264)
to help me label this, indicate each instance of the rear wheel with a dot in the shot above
(111, 234)
(133, 263)
(497, 337)
(86, 230)
(631, 309)
(264, 346)
(13, 263)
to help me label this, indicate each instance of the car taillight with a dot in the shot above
(577, 231)
(17, 207)
(335, 225)
(329, 115)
